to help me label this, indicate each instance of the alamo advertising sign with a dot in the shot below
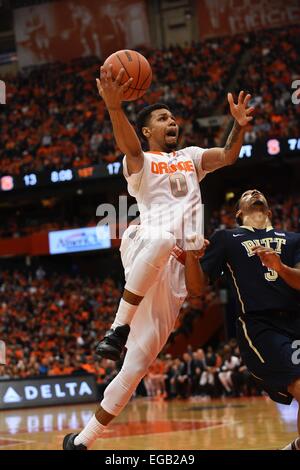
(57, 390)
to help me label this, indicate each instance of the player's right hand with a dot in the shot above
(112, 91)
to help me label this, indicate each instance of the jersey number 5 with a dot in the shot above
(178, 184)
(271, 275)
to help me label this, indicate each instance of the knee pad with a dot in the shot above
(119, 391)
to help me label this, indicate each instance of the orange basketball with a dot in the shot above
(136, 66)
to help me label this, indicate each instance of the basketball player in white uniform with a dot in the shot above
(165, 183)
(163, 180)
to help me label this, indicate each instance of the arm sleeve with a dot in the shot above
(196, 155)
(213, 262)
(133, 180)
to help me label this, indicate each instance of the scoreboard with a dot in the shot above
(57, 177)
(271, 149)
(259, 151)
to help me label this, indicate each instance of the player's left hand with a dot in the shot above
(268, 257)
(240, 111)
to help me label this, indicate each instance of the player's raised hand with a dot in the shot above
(268, 257)
(112, 91)
(240, 110)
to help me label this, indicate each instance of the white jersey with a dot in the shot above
(167, 190)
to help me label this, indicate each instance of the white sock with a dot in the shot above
(293, 445)
(124, 314)
(90, 433)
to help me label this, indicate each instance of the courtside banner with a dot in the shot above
(229, 17)
(79, 239)
(56, 390)
(62, 30)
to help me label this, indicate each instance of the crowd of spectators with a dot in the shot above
(210, 372)
(52, 322)
(55, 119)
(51, 325)
(272, 65)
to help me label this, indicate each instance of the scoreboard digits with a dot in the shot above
(294, 144)
(114, 168)
(30, 180)
(49, 178)
(61, 176)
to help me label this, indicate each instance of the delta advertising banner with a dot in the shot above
(54, 390)
(60, 31)
(79, 239)
(226, 17)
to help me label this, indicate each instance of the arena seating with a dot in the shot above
(57, 120)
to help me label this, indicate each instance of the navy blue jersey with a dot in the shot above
(255, 286)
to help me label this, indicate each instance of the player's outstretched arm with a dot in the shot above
(216, 157)
(195, 279)
(112, 93)
(271, 259)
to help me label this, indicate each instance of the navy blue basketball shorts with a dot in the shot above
(270, 350)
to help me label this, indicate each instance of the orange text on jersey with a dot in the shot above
(159, 168)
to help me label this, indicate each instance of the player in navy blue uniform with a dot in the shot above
(263, 267)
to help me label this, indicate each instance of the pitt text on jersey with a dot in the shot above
(268, 242)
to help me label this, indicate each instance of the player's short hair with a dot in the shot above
(144, 115)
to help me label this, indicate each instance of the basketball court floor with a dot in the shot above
(244, 423)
